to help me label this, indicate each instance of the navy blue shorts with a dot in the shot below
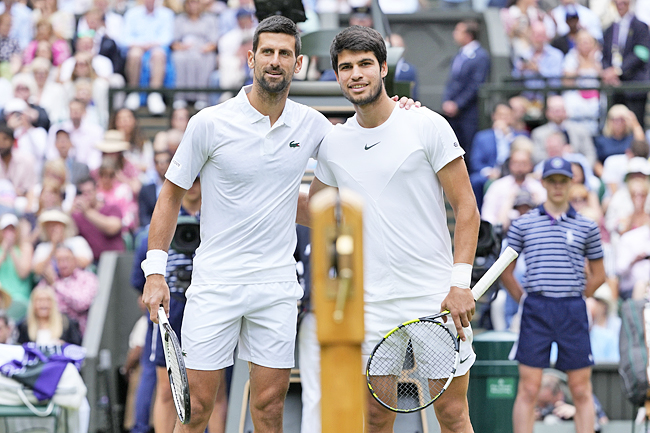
(176, 309)
(546, 320)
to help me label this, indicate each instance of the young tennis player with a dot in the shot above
(401, 162)
(555, 240)
(251, 152)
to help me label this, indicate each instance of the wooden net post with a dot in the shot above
(337, 290)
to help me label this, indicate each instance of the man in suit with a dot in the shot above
(626, 51)
(469, 69)
(76, 170)
(149, 193)
(577, 135)
(491, 148)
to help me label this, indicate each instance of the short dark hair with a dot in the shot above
(5, 129)
(62, 131)
(358, 38)
(472, 28)
(277, 24)
(84, 180)
(640, 148)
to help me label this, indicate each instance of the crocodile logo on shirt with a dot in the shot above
(294, 144)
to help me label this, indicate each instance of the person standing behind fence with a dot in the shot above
(626, 50)
(469, 69)
(556, 241)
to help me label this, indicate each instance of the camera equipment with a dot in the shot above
(187, 236)
(292, 9)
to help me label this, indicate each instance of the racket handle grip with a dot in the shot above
(493, 273)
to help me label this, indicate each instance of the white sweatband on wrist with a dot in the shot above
(461, 275)
(155, 263)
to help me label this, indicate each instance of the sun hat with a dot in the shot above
(113, 142)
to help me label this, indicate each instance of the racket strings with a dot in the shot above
(175, 377)
(412, 366)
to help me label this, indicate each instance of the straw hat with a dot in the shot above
(113, 142)
(56, 215)
(7, 220)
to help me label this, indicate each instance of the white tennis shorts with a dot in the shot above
(381, 317)
(260, 318)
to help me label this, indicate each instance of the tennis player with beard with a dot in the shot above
(402, 162)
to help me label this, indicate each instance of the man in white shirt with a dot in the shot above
(251, 152)
(401, 162)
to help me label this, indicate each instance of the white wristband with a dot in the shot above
(155, 263)
(461, 275)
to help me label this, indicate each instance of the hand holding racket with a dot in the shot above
(415, 362)
(175, 367)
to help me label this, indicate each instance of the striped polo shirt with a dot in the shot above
(555, 251)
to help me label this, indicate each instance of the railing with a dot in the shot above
(491, 93)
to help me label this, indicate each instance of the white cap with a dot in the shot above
(15, 105)
(638, 164)
(7, 220)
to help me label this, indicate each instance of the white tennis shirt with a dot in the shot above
(406, 242)
(250, 177)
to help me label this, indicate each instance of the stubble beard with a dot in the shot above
(365, 100)
(273, 88)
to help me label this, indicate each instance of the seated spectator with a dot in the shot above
(103, 44)
(56, 228)
(84, 44)
(21, 23)
(605, 327)
(615, 166)
(518, 20)
(194, 50)
(75, 288)
(632, 251)
(582, 67)
(74, 170)
(148, 32)
(15, 166)
(565, 42)
(149, 193)
(585, 202)
(84, 135)
(56, 177)
(114, 147)
(112, 22)
(501, 196)
(60, 49)
(621, 205)
(519, 105)
(48, 93)
(140, 151)
(99, 223)
(10, 52)
(112, 191)
(576, 135)
(540, 60)
(24, 87)
(588, 20)
(97, 97)
(621, 127)
(177, 122)
(15, 264)
(491, 148)
(63, 22)
(28, 138)
(554, 401)
(638, 188)
(45, 324)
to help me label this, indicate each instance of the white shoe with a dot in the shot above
(132, 102)
(155, 104)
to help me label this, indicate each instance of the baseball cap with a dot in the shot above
(7, 220)
(571, 12)
(638, 164)
(15, 105)
(523, 198)
(557, 165)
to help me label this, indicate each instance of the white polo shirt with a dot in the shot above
(406, 242)
(250, 176)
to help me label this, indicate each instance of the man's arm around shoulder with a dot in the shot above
(303, 216)
(161, 231)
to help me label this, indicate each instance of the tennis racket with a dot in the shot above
(415, 362)
(175, 367)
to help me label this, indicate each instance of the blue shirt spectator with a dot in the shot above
(22, 27)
